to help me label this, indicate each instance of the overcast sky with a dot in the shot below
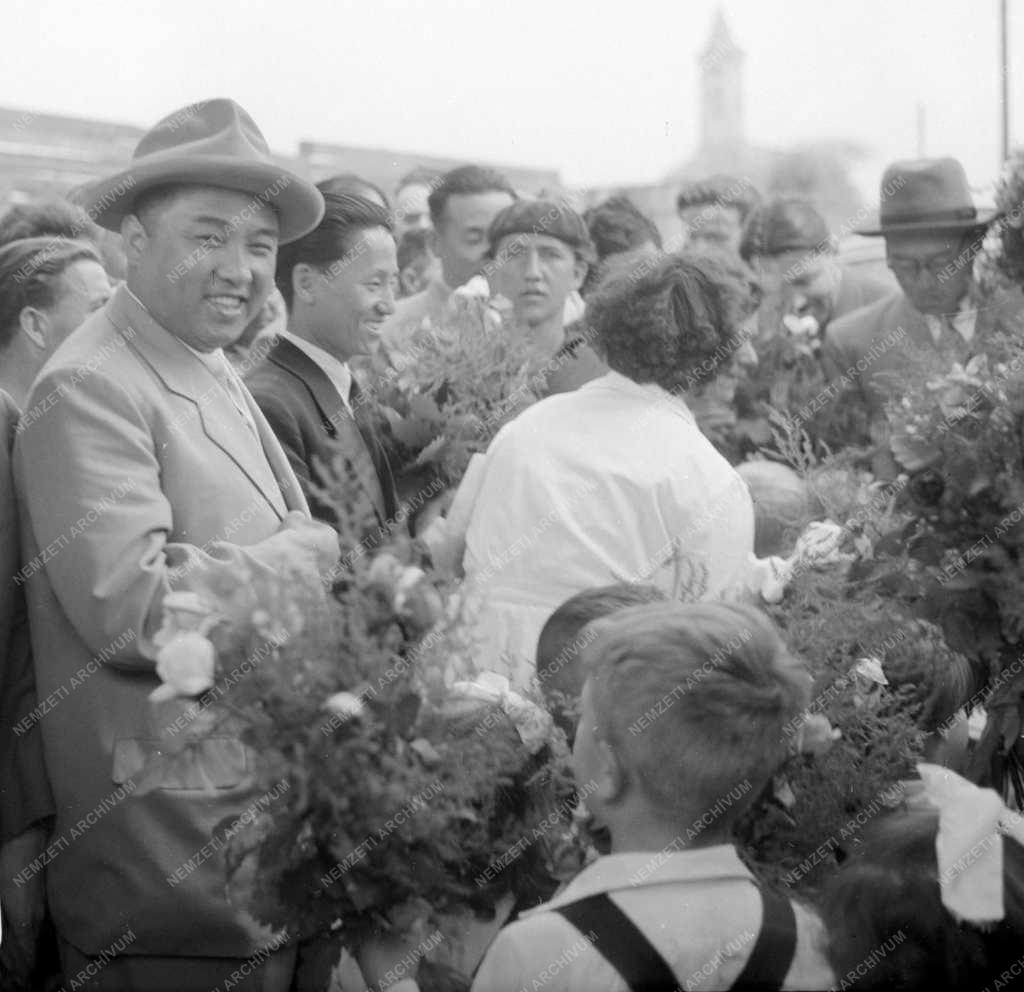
(604, 92)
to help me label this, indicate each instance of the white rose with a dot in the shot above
(345, 704)
(186, 665)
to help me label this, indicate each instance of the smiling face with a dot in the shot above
(202, 262)
(535, 273)
(347, 302)
(801, 282)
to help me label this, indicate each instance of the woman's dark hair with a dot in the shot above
(618, 225)
(30, 270)
(332, 239)
(888, 927)
(674, 321)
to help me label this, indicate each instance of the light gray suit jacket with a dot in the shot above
(136, 475)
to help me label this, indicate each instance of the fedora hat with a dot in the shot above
(926, 194)
(210, 143)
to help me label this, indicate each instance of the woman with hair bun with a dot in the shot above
(612, 482)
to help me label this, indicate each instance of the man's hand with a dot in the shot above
(315, 537)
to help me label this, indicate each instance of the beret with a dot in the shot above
(555, 219)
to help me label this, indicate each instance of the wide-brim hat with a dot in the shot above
(928, 194)
(211, 143)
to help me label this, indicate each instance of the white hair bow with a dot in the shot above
(533, 723)
(969, 846)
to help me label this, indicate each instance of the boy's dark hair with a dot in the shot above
(726, 191)
(331, 240)
(466, 180)
(618, 225)
(888, 896)
(563, 637)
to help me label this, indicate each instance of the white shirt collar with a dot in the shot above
(634, 869)
(335, 370)
(963, 322)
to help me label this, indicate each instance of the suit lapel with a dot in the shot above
(338, 423)
(182, 373)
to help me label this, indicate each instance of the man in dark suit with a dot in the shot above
(932, 233)
(143, 467)
(338, 283)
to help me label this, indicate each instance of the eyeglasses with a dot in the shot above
(911, 268)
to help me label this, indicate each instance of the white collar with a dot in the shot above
(336, 370)
(650, 391)
(634, 869)
(963, 321)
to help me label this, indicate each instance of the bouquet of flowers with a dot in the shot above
(401, 793)
(456, 385)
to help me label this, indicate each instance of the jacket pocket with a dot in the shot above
(212, 763)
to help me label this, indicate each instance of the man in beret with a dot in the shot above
(143, 467)
(539, 252)
(790, 248)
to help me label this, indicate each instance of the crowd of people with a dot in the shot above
(188, 346)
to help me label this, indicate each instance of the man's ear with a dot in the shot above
(610, 780)
(580, 271)
(35, 325)
(135, 239)
(304, 283)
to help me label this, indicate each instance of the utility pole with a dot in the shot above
(1004, 64)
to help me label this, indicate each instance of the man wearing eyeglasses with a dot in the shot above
(932, 232)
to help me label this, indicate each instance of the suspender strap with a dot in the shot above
(621, 943)
(770, 960)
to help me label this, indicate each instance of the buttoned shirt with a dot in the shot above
(700, 908)
(336, 370)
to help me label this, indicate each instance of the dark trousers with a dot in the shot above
(146, 973)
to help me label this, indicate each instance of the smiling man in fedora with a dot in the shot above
(932, 232)
(143, 467)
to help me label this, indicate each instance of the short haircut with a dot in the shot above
(562, 638)
(345, 216)
(467, 180)
(50, 217)
(419, 176)
(618, 225)
(693, 699)
(783, 505)
(674, 321)
(726, 191)
(30, 271)
(784, 224)
(413, 246)
(884, 905)
(349, 182)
